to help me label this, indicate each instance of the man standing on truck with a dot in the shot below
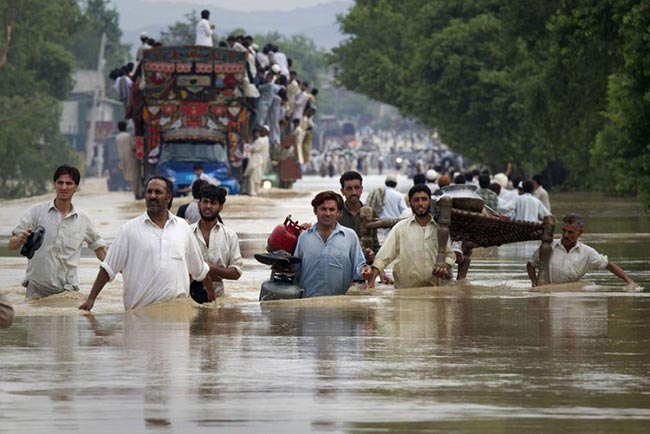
(144, 37)
(204, 30)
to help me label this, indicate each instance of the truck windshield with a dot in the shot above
(195, 152)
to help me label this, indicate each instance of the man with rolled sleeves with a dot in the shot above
(414, 243)
(53, 268)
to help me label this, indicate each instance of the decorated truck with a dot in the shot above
(188, 108)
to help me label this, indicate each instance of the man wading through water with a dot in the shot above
(155, 252)
(53, 267)
(330, 253)
(219, 244)
(414, 242)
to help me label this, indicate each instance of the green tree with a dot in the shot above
(181, 32)
(36, 74)
(98, 17)
(308, 60)
(445, 65)
(554, 83)
(621, 155)
(30, 144)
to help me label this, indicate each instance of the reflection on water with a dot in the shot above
(449, 357)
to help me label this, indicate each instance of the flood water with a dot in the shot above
(488, 355)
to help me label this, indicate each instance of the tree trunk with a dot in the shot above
(5, 47)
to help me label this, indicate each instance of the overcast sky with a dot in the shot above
(251, 5)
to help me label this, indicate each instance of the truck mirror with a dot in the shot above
(152, 158)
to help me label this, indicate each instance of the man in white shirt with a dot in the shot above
(155, 252)
(299, 134)
(526, 207)
(125, 144)
(123, 85)
(204, 30)
(234, 44)
(293, 89)
(280, 59)
(539, 192)
(263, 57)
(505, 194)
(191, 212)
(394, 203)
(300, 101)
(219, 244)
(144, 37)
(571, 259)
(53, 267)
(200, 174)
(414, 243)
(258, 160)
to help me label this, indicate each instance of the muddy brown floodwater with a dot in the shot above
(486, 355)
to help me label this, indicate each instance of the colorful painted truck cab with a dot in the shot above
(188, 108)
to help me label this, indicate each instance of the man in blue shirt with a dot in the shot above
(331, 254)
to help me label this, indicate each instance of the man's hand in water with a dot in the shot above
(385, 278)
(442, 271)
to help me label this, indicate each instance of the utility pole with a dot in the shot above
(97, 96)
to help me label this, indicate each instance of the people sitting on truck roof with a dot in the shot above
(263, 57)
(280, 59)
(300, 101)
(234, 44)
(293, 89)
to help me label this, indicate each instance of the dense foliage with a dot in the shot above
(41, 43)
(36, 75)
(544, 84)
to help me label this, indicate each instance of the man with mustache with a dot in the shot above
(414, 242)
(571, 259)
(155, 252)
(330, 253)
(350, 217)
